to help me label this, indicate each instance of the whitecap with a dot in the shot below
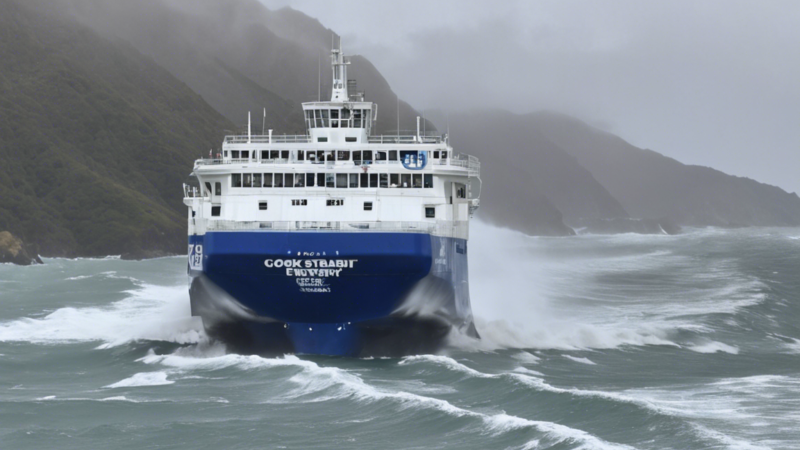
(143, 379)
(580, 360)
(714, 347)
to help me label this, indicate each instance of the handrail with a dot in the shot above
(445, 228)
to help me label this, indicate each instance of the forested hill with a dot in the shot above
(94, 140)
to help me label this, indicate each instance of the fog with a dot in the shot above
(711, 83)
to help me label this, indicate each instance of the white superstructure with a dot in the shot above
(338, 176)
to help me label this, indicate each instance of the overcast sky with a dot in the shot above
(715, 83)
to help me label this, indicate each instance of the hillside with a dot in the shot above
(541, 169)
(238, 55)
(650, 185)
(94, 140)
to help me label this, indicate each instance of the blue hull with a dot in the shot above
(330, 293)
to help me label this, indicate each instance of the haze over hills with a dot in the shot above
(105, 104)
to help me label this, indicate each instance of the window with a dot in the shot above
(318, 117)
(322, 139)
(428, 180)
(299, 180)
(341, 180)
(335, 202)
(267, 180)
(367, 156)
(357, 118)
(264, 155)
(330, 156)
(245, 154)
(321, 180)
(256, 180)
(392, 155)
(417, 180)
(248, 180)
(343, 155)
(444, 155)
(373, 180)
(216, 211)
(300, 202)
(461, 192)
(364, 180)
(394, 180)
(325, 122)
(384, 180)
(218, 188)
(367, 206)
(301, 155)
(330, 180)
(353, 180)
(334, 118)
(278, 180)
(436, 154)
(349, 139)
(262, 206)
(380, 156)
(310, 179)
(236, 180)
(430, 212)
(235, 154)
(288, 180)
(357, 157)
(225, 153)
(274, 154)
(208, 188)
(285, 154)
(406, 180)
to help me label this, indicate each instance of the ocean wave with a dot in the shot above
(150, 312)
(143, 379)
(311, 378)
(580, 360)
(714, 347)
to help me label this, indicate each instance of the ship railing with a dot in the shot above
(191, 191)
(445, 228)
(405, 139)
(469, 162)
(266, 139)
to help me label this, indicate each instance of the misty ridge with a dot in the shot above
(105, 105)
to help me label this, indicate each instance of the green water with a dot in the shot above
(651, 342)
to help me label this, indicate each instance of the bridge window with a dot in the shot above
(341, 180)
(262, 206)
(216, 211)
(428, 180)
(367, 156)
(436, 154)
(353, 180)
(278, 180)
(325, 122)
(417, 180)
(299, 180)
(218, 188)
(380, 156)
(405, 180)
(267, 180)
(356, 118)
(330, 180)
(343, 155)
(288, 180)
(367, 206)
(364, 180)
(236, 180)
(274, 154)
(235, 154)
(321, 180)
(461, 192)
(357, 157)
(334, 118)
(208, 188)
(345, 118)
(248, 180)
(444, 155)
(285, 154)
(301, 155)
(373, 180)
(392, 155)
(335, 202)
(394, 180)
(256, 180)
(264, 155)
(384, 180)
(245, 154)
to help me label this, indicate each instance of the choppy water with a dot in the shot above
(651, 342)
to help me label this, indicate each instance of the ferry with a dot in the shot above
(336, 242)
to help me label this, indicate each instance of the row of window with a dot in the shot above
(337, 118)
(430, 212)
(358, 156)
(332, 180)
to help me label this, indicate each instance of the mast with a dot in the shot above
(339, 63)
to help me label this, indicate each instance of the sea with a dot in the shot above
(588, 342)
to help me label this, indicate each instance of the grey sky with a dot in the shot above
(714, 83)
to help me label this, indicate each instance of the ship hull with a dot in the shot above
(332, 293)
